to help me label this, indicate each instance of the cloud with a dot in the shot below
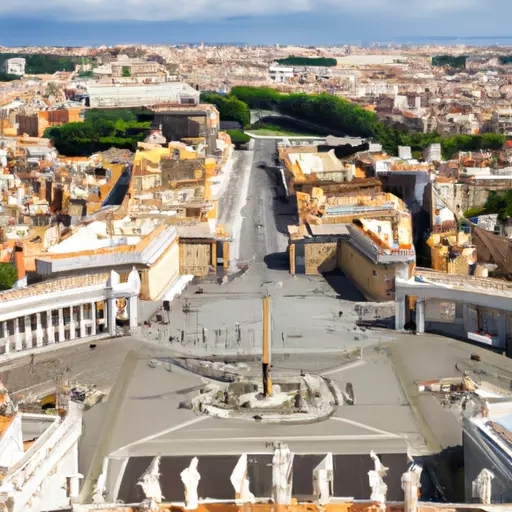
(192, 10)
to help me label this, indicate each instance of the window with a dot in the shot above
(447, 311)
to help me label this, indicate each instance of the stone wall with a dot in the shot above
(195, 259)
(320, 258)
(163, 273)
(179, 170)
(375, 281)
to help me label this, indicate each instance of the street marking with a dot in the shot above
(349, 366)
(270, 438)
(162, 433)
(367, 427)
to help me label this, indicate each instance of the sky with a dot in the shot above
(305, 22)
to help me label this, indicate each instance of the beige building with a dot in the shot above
(369, 238)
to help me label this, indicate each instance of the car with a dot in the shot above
(262, 164)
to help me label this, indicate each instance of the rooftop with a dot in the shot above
(482, 285)
(55, 285)
(316, 162)
(329, 229)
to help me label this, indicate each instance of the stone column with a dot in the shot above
(399, 313)
(132, 312)
(111, 316)
(292, 259)
(28, 332)
(74, 485)
(72, 325)
(93, 319)
(62, 330)
(225, 251)
(17, 336)
(83, 329)
(420, 315)
(50, 331)
(214, 255)
(39, 330)
(5, 335)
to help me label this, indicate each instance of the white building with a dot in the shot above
(404, 152)
(280, 74)
(432, 153)
(15, 66)
(128, 95)
(376, 88)
(38, 457)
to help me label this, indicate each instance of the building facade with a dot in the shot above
(15, 66)
(465, 307)
(136, 95)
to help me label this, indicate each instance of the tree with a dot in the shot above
(86, 74)
(126, 71)
(91, 136)
(8, 276)
(474, 212)
(343, 117)
(292, 60)
(230, 108)
(238, 137)
(454, 61)
(4, 77)
(52, 89)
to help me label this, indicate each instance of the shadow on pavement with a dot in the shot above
(343, 286)
(277, 261)
(284, 207)
(285, 213)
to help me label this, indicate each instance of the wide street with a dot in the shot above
(309, 313)
(249, 208)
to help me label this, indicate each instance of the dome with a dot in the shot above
(445, 215)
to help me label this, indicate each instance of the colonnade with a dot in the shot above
(59, 325)
(52, 326)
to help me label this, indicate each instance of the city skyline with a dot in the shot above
(298, 22)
